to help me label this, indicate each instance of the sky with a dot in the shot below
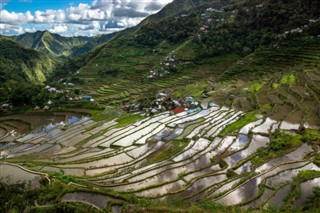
(74, 17)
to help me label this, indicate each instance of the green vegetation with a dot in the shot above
(266, 106)
(244, 120)
(18, 63)
(317, 159)
(282, 142)
(117, 71)
(127, 120)
(65, 208)
(275, 86)
(313, 201)
(62, 177)
(107, 114)
(255, 87)
(172, 147)
(295, 190)
(195, 90)
(59, 47)
(19, 197)
(310, 135)
(179, 205)
(288, 79)
(250, 27)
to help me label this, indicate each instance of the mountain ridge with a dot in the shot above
(59, 47)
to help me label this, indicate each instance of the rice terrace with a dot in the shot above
(160, 106)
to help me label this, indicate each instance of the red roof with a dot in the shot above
(178, 110)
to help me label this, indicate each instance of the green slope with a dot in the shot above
(18, 63)
(59, 47)
(51, 44)
(118, 70)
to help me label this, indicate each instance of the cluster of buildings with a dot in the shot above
(6, 106)
(164, 102)
(298, 30)
(207, 19)
(166, 66)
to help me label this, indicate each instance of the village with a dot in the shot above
(57, 97)
(165, 101)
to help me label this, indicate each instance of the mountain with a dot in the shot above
(51, 44)
(205, 41)
(21, 64)
(91, 44)
(211, 28)
(59, 47)
(177, 7)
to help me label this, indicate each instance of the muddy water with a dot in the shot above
(97, 200)
(296, 155)
(224, 188)
(12, 174)
(3, 132)
(163, 190)
(256, 143)
(112, 161)
(241, 194)
(265, 127)
(286, 176)
(267, 192)
(116, 209)
(306, 190)
(24, 123)
(277, 200)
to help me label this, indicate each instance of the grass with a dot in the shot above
(195, 90)
(317, 160)
(174, 147)
(281, 143)
(127, 120)
(288, 79)
(267, 106)
(275, 86)
(104, 115)
(255, 87)
(244, 120)
(295, 190)
(311, 135)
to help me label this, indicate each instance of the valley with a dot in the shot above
(205, 106)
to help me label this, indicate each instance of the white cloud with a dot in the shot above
(59, 28)
(89, 19)
(15, 18)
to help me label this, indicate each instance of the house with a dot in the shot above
(177, 110)
(36, 108)
(176, 103)
(190, 111)
(154, 110)
(211, 104)
(190, 100)
(5, 106)
(86, 98)
(51, 90)
(204, 95)
(46, 108)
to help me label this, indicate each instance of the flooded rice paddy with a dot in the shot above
(159, 157)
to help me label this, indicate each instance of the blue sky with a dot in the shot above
(74, 17)
(34, 5)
